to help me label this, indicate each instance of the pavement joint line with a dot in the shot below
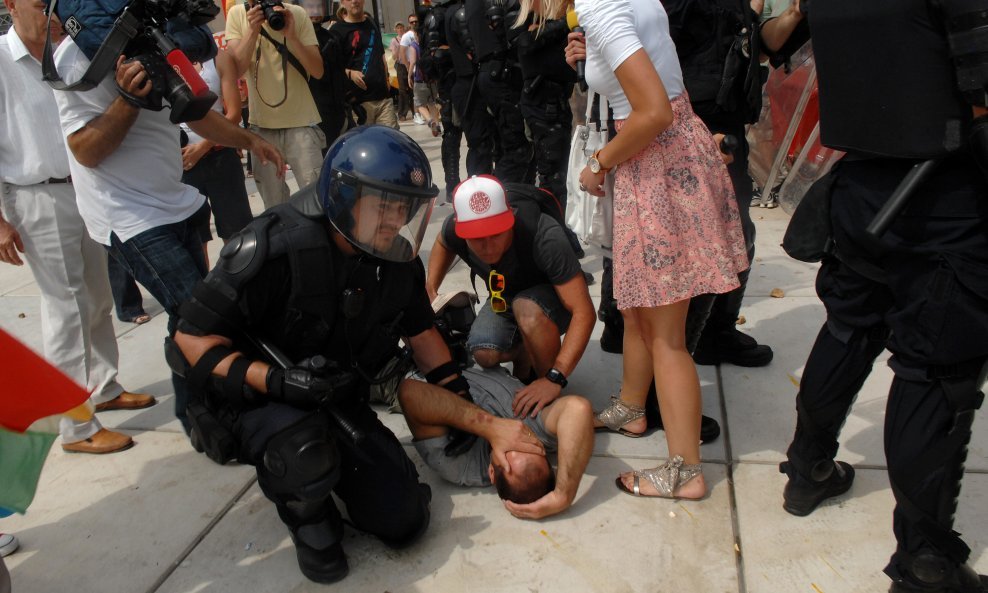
(731, 493)
(201, 536)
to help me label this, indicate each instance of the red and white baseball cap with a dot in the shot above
(481, 208)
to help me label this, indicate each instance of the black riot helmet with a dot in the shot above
(376, 188)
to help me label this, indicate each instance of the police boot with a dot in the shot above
(802, 495)
(721, 341)
(318, 548)
(931, 573)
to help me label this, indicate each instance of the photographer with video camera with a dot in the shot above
(124, 153)
(276, 46)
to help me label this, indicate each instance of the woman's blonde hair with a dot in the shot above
(551, 9)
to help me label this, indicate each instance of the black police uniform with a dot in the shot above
(499, 82)
(548, 84)
(719, 47)
(437, 47)
(921, 290)
(329, 92)
(283, 280)
(470, 108)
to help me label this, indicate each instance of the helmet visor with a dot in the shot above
(387, 224)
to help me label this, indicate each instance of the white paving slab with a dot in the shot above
(117, 522)
(607, 542)
(840, 547)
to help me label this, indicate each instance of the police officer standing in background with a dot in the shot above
(324, 285)
(719, 46)
(921, 288)
(548, 84)
(469, 107)
(499, 82)
(436, 47)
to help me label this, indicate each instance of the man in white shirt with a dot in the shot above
(126, 165)
(40, 220)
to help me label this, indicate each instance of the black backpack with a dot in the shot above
(531, 201)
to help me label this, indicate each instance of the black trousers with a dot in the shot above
(921, 292)
(513, 163)
(550, 123)
(378, 483)
(477, 125)
(452, 133)
(726, 307)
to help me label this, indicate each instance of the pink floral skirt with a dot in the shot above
(677, 232)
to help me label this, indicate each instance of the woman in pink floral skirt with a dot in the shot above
(677, 233)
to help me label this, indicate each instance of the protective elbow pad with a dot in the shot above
(966, 22)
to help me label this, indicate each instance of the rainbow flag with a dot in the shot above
(33, 396)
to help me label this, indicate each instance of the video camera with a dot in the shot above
(163, 35)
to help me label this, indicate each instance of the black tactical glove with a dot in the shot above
(312, 383)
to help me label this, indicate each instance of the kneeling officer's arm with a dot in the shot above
(310, 384)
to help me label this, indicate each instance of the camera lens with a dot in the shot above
(275, 19)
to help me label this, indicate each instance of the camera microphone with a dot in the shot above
(581, 65)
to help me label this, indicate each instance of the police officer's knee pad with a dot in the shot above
(302, 460)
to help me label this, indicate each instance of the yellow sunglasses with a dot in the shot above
(495, 283)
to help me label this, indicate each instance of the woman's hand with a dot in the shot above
(592, 183)
(576, 49)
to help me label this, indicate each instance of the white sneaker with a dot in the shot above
(8, 544)
(419, 120)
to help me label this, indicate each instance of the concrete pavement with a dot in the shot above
(160, 518)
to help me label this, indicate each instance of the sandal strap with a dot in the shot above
(669, 477)
(618, 413)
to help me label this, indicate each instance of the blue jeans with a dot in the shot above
(126, 296)
(168, 261)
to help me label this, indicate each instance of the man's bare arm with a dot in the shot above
(440, 259)
(431, 411)
(570, 418)
(102, 135)
(776, 31)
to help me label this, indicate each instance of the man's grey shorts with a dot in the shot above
(492, 390)
(499, 331)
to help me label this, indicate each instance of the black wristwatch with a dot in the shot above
(557, 377)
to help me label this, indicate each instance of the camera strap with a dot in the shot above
(125, 28)
(287, 57)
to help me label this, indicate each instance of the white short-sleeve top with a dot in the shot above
(614, 30)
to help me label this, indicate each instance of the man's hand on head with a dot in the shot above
(552, 503)
(512, 435)
(532, 398)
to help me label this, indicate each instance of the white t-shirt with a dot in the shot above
(137, 187)
(614, 30)
(212, 79)
(406, 42)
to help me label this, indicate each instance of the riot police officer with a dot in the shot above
(437, 48)
(548, 84)
(469, 107)
(324, 286)
(921, 288)
(499, 82)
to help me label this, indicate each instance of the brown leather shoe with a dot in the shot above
(104, 441)
(127, 401)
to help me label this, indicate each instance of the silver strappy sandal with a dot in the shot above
(617, 414)
(666, 478)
